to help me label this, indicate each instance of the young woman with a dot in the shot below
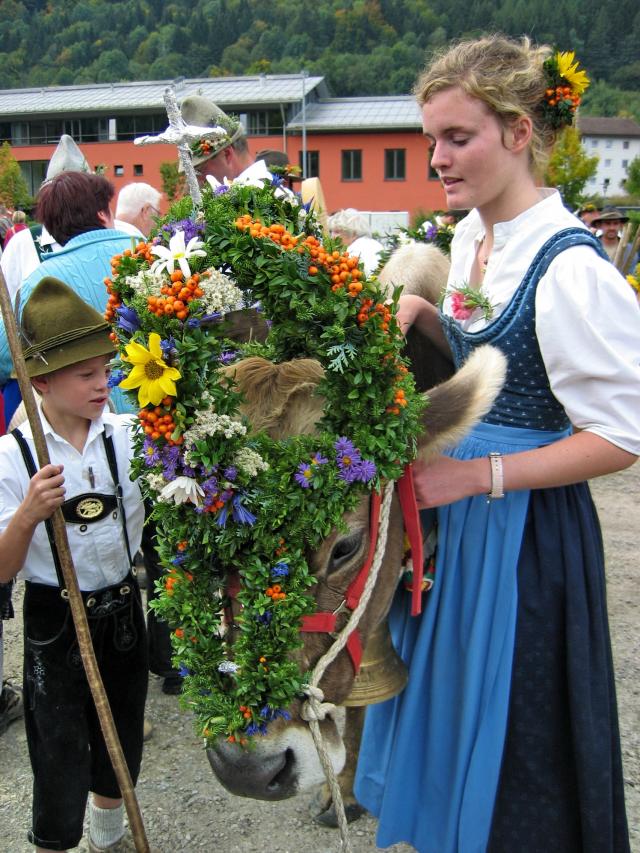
(506, 737)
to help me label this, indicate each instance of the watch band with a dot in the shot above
(497, 476)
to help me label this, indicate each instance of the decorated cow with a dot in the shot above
(276, 412)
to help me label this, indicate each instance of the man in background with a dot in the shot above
(137, 209)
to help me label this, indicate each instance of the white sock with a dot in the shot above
(106, 826)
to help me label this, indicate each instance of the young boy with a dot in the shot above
(67, 354)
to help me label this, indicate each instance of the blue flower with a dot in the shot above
(178, 559)
(183, 671)
(168, 348)
(348, 458)
(221, 190)
(194, 322)
(230, 473)
(188, 226)
(280, 570)
(265, 618)
(115, 378)
(228, 357)
(128, 319)
(240, 513)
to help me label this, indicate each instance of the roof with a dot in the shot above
(605, 126)
(370, 113)
(115, 98)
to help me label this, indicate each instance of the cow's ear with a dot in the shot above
(457, 404)
(246, 325)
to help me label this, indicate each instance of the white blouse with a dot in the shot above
(587, 316)
(98, 550)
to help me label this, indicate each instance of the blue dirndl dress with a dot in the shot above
(506, 737)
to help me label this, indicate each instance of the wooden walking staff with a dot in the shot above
(71, 582)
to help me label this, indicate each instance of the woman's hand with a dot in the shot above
(443, 480)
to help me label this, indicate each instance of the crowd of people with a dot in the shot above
(506, 736)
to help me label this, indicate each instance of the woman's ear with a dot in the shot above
(516, 135)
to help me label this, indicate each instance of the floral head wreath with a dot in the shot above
(236, 508)
(565, 86)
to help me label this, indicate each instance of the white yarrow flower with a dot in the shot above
(219, 292)
(177, 253)
(182, 490)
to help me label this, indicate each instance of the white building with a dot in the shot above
(616, 142)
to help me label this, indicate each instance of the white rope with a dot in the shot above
(314, 709)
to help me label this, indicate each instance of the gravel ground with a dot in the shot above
(185, 810)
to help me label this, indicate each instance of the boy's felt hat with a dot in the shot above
(202, 112)
(58, 329)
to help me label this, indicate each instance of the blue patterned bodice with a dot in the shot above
(526, 399)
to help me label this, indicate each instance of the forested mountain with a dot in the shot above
(361, 46)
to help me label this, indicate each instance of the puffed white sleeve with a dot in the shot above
(588, 329)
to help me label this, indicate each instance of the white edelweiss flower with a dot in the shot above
(181, 490)
(177, 253)
(146, 283)
(219, 292)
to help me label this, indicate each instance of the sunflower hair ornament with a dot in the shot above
(566, 84)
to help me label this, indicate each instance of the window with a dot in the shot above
(594, 143)
(625, 164)
(138, 169)
(394, 164)
(118, 171)
(607, 163)
(313, 164)
(625, 143)
(264, 122)
(128, 127)
(34, 172)
(352, 164)
(608, 143)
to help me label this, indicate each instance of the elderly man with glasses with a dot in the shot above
(137, 208)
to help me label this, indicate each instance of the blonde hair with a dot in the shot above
(507, 75)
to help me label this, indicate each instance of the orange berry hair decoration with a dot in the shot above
(566, 84)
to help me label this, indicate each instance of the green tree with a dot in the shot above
(569, 167)
(172, 180)
(632, 181)
(13, 187)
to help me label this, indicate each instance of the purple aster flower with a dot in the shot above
(115, 379)
(128, 319)
(188, 471)
(366, 471)
(303, 475)
(150, 452)
(210, 485)
(318, 459)
(221, 190)
(280, 570)
(240, 513)
(170, 456)
(230, 473)
(228, 357)
(348, 458)
(430, 232)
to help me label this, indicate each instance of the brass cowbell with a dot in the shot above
(383, 673)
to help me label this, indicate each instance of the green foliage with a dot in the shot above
(13, 187)
(361, 47)
(569, 167)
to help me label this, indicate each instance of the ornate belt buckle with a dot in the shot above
(89, 508)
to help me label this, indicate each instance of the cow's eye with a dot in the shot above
(344, 550)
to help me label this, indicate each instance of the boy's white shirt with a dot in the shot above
(99, 552)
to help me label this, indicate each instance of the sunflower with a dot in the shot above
(568, 68)
(153, 378)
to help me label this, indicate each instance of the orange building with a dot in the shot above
(369, 153)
